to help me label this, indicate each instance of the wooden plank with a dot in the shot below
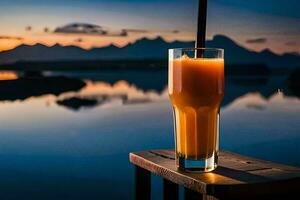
(142, 184)
(246, 163)
(236, 174)
(236, 161)
(171, 190)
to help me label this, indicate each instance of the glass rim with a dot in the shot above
(198, 48)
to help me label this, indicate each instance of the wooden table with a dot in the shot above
(237, 177)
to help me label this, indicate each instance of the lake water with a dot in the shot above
(69, 138)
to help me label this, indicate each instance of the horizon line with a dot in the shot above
(149, 39)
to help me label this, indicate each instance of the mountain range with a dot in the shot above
(147, 49)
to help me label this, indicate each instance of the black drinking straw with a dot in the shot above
(201, 27)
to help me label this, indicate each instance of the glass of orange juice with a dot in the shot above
(196, 89)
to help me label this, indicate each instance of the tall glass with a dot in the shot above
(196, 89)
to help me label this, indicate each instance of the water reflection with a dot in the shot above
(262, 127)
(42, 141)
(255, 100)
(8, 75)
(97, 93)
(145, 79)
(26, 87)
(90, 89)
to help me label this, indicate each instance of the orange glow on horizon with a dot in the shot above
(94, 41)
(6, 75)
(6, 44)
(86, 41)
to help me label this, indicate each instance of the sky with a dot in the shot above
(254, 24)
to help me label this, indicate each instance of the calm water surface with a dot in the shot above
(74, 143)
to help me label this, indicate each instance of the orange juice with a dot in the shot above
(196, 88)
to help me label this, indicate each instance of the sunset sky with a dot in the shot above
(255, 24)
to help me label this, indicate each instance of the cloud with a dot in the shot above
(46, 29)
(89, 29)
(92, 29)
(291, 43)
(256, 41)
(28, 28)
(136, 30)
(78, 40)
(82, 28)
(123, 33)
(5, 37)
(148, 31)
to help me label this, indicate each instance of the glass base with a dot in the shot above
(204, 165)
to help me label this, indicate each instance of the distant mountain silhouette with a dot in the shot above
(147, 49)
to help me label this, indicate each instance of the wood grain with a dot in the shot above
(235, 176)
